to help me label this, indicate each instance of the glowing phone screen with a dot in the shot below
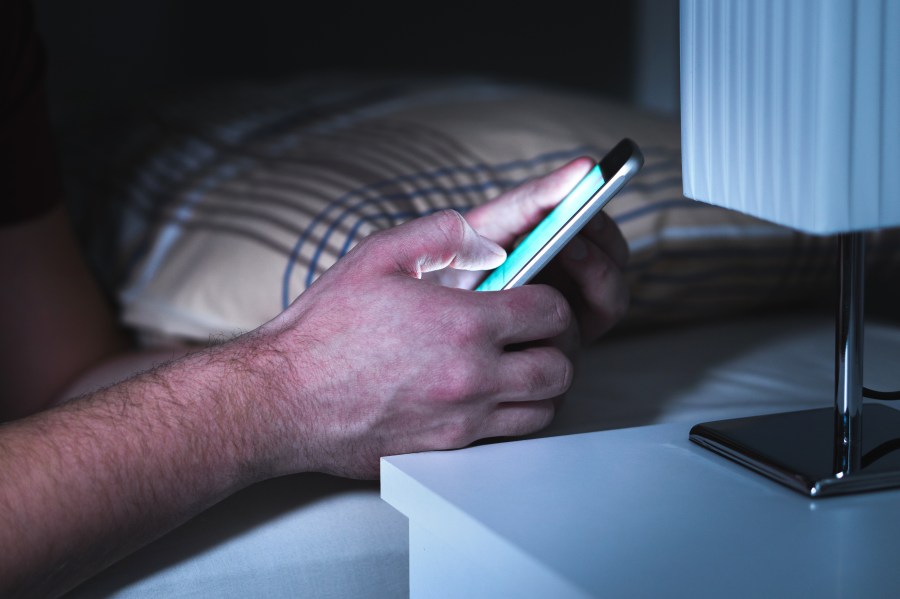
(541, 235)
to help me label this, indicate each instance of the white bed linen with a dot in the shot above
(319, 536)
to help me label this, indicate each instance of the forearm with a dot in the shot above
(120, 367)
(88, 482)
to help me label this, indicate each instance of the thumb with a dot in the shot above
(440, 240)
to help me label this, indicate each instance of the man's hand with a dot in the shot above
(589, 271)
(372, 361)
(381, 362)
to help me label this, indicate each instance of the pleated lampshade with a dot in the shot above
(791, 110)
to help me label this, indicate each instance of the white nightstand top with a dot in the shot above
(645, 512)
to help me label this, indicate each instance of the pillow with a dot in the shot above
(228, 204)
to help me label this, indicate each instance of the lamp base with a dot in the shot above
(797, 449)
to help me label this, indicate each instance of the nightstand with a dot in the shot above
(639, 512)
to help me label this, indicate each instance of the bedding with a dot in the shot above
(224, 205)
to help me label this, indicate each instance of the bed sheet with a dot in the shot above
(319, 536)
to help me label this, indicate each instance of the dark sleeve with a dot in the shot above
(29, 172)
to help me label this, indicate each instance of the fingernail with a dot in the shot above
(493, 248)
(576, 249)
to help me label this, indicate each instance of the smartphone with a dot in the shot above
(572, 213)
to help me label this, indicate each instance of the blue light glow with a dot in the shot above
(544, 231)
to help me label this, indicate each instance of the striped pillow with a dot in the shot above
(229, 205)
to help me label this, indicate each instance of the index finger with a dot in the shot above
(515, 212)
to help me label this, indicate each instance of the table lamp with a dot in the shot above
(791, 113)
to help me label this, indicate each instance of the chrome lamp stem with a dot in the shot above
(848, 391)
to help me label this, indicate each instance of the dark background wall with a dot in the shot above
(103, 51)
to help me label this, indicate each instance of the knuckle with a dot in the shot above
(562, 374)
(373, 244)
(466, 332)
(463, 381)
(543, 416)
(604, 267)
(459, 432)
(540, 381)
(451, 224)
(560, 311)
(538, 416)
(552, 376)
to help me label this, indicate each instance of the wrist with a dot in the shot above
(262, 406)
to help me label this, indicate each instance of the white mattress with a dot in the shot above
(319, 536)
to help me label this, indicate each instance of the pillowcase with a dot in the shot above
(227, 204)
